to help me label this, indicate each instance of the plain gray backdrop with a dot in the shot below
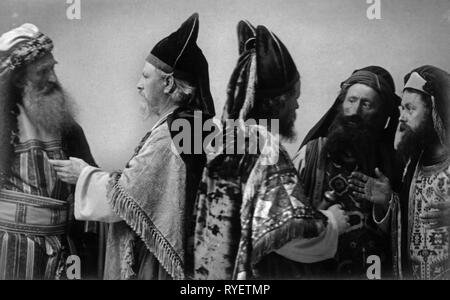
(101, 55)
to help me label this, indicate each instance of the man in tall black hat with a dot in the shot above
(149, 203)
(251, 204)
(348, 159)
(37, 124)
(421, 217)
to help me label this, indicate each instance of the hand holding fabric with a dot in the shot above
(69, 170)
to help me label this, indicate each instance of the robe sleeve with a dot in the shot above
(90, 197)
(316, 249)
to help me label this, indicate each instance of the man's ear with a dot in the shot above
(169, 84)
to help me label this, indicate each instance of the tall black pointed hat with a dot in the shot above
(178, 54)
(265, 69)
(277, 72)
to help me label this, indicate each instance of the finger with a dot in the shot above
(66, 177)
(379, 174)
(61, 167)
(62, 174)
(357, 188)
(431, 215)
(359, 195)
(439, 205)
(357, 183)
(63, 171)
(59, 162)
(433, 225)
(75, 159)
(360, 176)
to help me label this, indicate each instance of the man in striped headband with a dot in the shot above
(36, 125)
(420, 217)
(149, 203)
(251, 206)
(343, 160)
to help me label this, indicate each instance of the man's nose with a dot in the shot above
(402, 117)
(354, 109)
(139, 86)
(52, 77)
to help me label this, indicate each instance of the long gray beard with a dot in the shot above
(51, 111)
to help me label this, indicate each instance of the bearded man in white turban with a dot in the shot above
(36, 124)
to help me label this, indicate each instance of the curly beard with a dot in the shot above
(351, 142)
(410, 142)
(48, 108)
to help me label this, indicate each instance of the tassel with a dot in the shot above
(127, 263)
(250, 93)
(125, 207)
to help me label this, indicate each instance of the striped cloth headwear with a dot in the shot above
(21, 46)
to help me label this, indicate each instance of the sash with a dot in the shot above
(32, 214)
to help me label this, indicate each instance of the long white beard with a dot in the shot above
(51, 112)
(145, 110)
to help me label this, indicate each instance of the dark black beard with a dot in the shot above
(351, 143)
(414, 141)
(48, 108)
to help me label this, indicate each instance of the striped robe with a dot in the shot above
(27, 256)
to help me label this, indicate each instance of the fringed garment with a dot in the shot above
(150, 203)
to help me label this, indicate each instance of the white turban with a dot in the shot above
(22, 45)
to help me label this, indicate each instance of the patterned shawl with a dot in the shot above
(274, 209)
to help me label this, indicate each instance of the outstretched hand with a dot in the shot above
(376, 190)
(439, 216)
(69, 170)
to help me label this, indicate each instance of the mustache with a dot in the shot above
(402, 127)
(49, 88)
(353, 123)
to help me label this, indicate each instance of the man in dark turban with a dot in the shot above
(37, 124)
(348, 159)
